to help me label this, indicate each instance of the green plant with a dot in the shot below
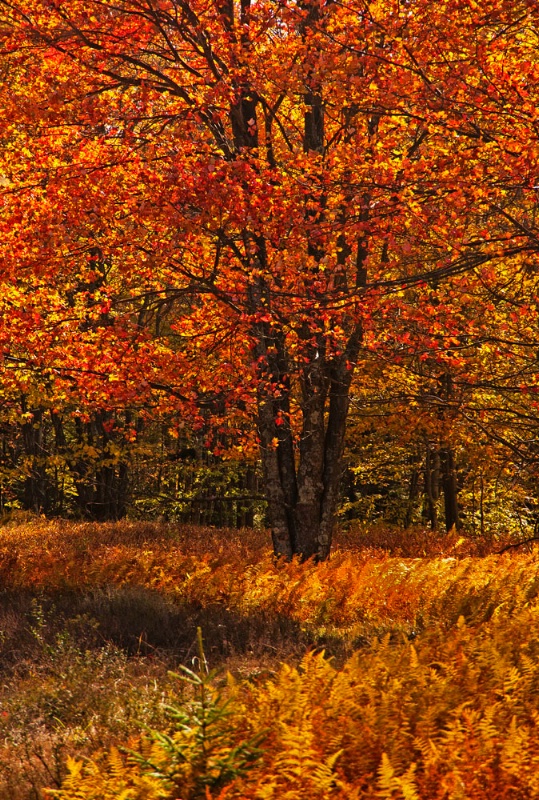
(201, 748)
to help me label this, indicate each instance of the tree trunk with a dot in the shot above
(302, 473)
(432, 485)
(303, 487)
(37, 490)
(102, 489)
(449, 487)
(413, 493)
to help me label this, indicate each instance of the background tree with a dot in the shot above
(280, 173)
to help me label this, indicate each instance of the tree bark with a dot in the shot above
(37, 490)
(450, 490)
(303, 500)
(432, 485)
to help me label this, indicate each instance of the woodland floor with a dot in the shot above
(94, 617)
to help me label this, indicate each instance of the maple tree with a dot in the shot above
(231, 205)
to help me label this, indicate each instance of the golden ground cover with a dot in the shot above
(428, 686)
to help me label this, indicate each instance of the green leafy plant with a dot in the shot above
(201, 752)
(201, 749)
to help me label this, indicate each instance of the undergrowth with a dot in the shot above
(428, 688)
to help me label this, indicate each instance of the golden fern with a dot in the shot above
(107, 778)
(395, 787)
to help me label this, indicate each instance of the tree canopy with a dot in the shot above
(260, 212)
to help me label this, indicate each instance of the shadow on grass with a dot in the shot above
(81, 670)
(143, 622)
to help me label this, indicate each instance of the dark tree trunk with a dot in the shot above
(449, 488)
(82, 470)
(102, 488)
(432, 485)
(37, 493)
(302, 474)
(413, 494)
(303, 486)
(60, 448)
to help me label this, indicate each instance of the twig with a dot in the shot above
(517, 544)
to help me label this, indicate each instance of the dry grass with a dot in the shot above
(92, 618)
(85, 655)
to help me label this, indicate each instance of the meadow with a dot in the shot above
(142, 661)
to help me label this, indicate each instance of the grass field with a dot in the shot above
(407, 666)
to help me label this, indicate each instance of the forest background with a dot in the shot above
(230, 231)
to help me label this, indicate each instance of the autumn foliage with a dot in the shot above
(431, 692)
(280, 256)
(262, 212)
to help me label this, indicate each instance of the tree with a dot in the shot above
(280, 172)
